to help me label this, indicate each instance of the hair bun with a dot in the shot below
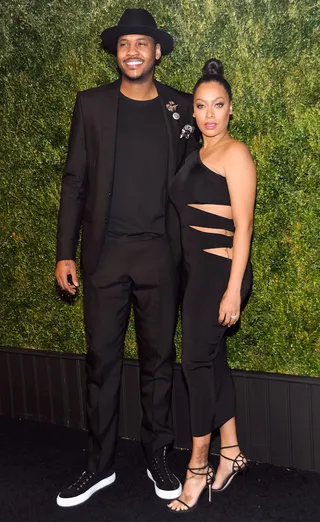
(213, 67)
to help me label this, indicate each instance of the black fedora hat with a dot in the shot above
(136, 21)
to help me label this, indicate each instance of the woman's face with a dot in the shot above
(212, 108)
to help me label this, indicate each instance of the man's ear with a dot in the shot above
(158, 51)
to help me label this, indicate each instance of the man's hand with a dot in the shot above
(64, 269)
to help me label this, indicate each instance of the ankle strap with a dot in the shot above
(238, 463)
(194, 470)
(228, 458)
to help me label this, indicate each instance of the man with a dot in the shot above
(127, 141)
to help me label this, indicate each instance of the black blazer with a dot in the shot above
(88, 175)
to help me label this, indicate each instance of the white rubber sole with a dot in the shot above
(163, 493)
(74, 501)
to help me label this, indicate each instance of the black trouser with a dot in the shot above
(141, 273)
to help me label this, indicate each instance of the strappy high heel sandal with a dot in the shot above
(209, 474)
(239, 466)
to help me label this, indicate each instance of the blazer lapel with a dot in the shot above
(173, 129)
(108, 115)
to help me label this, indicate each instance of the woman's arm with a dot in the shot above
(241, 179)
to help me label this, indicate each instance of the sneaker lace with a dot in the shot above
(165, 468)
(84, 477)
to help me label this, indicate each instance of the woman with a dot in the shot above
(214, 196)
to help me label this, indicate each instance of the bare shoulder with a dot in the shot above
(238, 156)
(238, 149)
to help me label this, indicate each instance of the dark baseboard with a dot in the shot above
(278, 416)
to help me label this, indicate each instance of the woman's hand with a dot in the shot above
(229, 311)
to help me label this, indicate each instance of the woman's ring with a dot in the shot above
(234, 316)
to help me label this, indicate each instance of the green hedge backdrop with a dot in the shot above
(51, 49)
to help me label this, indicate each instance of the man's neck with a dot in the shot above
(140, 91)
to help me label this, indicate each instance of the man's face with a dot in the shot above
(137, 55)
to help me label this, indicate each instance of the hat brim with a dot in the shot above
(110, 37)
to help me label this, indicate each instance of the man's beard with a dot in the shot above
(138, 79)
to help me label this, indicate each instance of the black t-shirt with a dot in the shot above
(139, 194)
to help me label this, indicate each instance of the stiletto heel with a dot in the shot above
(209, 474)
(239, 465)
(210, 490)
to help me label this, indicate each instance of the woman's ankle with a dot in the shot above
(200, 465)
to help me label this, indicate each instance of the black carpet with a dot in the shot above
(37, 460)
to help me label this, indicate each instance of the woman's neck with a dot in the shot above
(211, 142)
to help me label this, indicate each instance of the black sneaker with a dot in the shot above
(166, 484)
(84, 487)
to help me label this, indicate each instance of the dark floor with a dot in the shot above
(36, 460)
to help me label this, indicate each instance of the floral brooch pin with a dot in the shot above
(172, 107)
(186, 131)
